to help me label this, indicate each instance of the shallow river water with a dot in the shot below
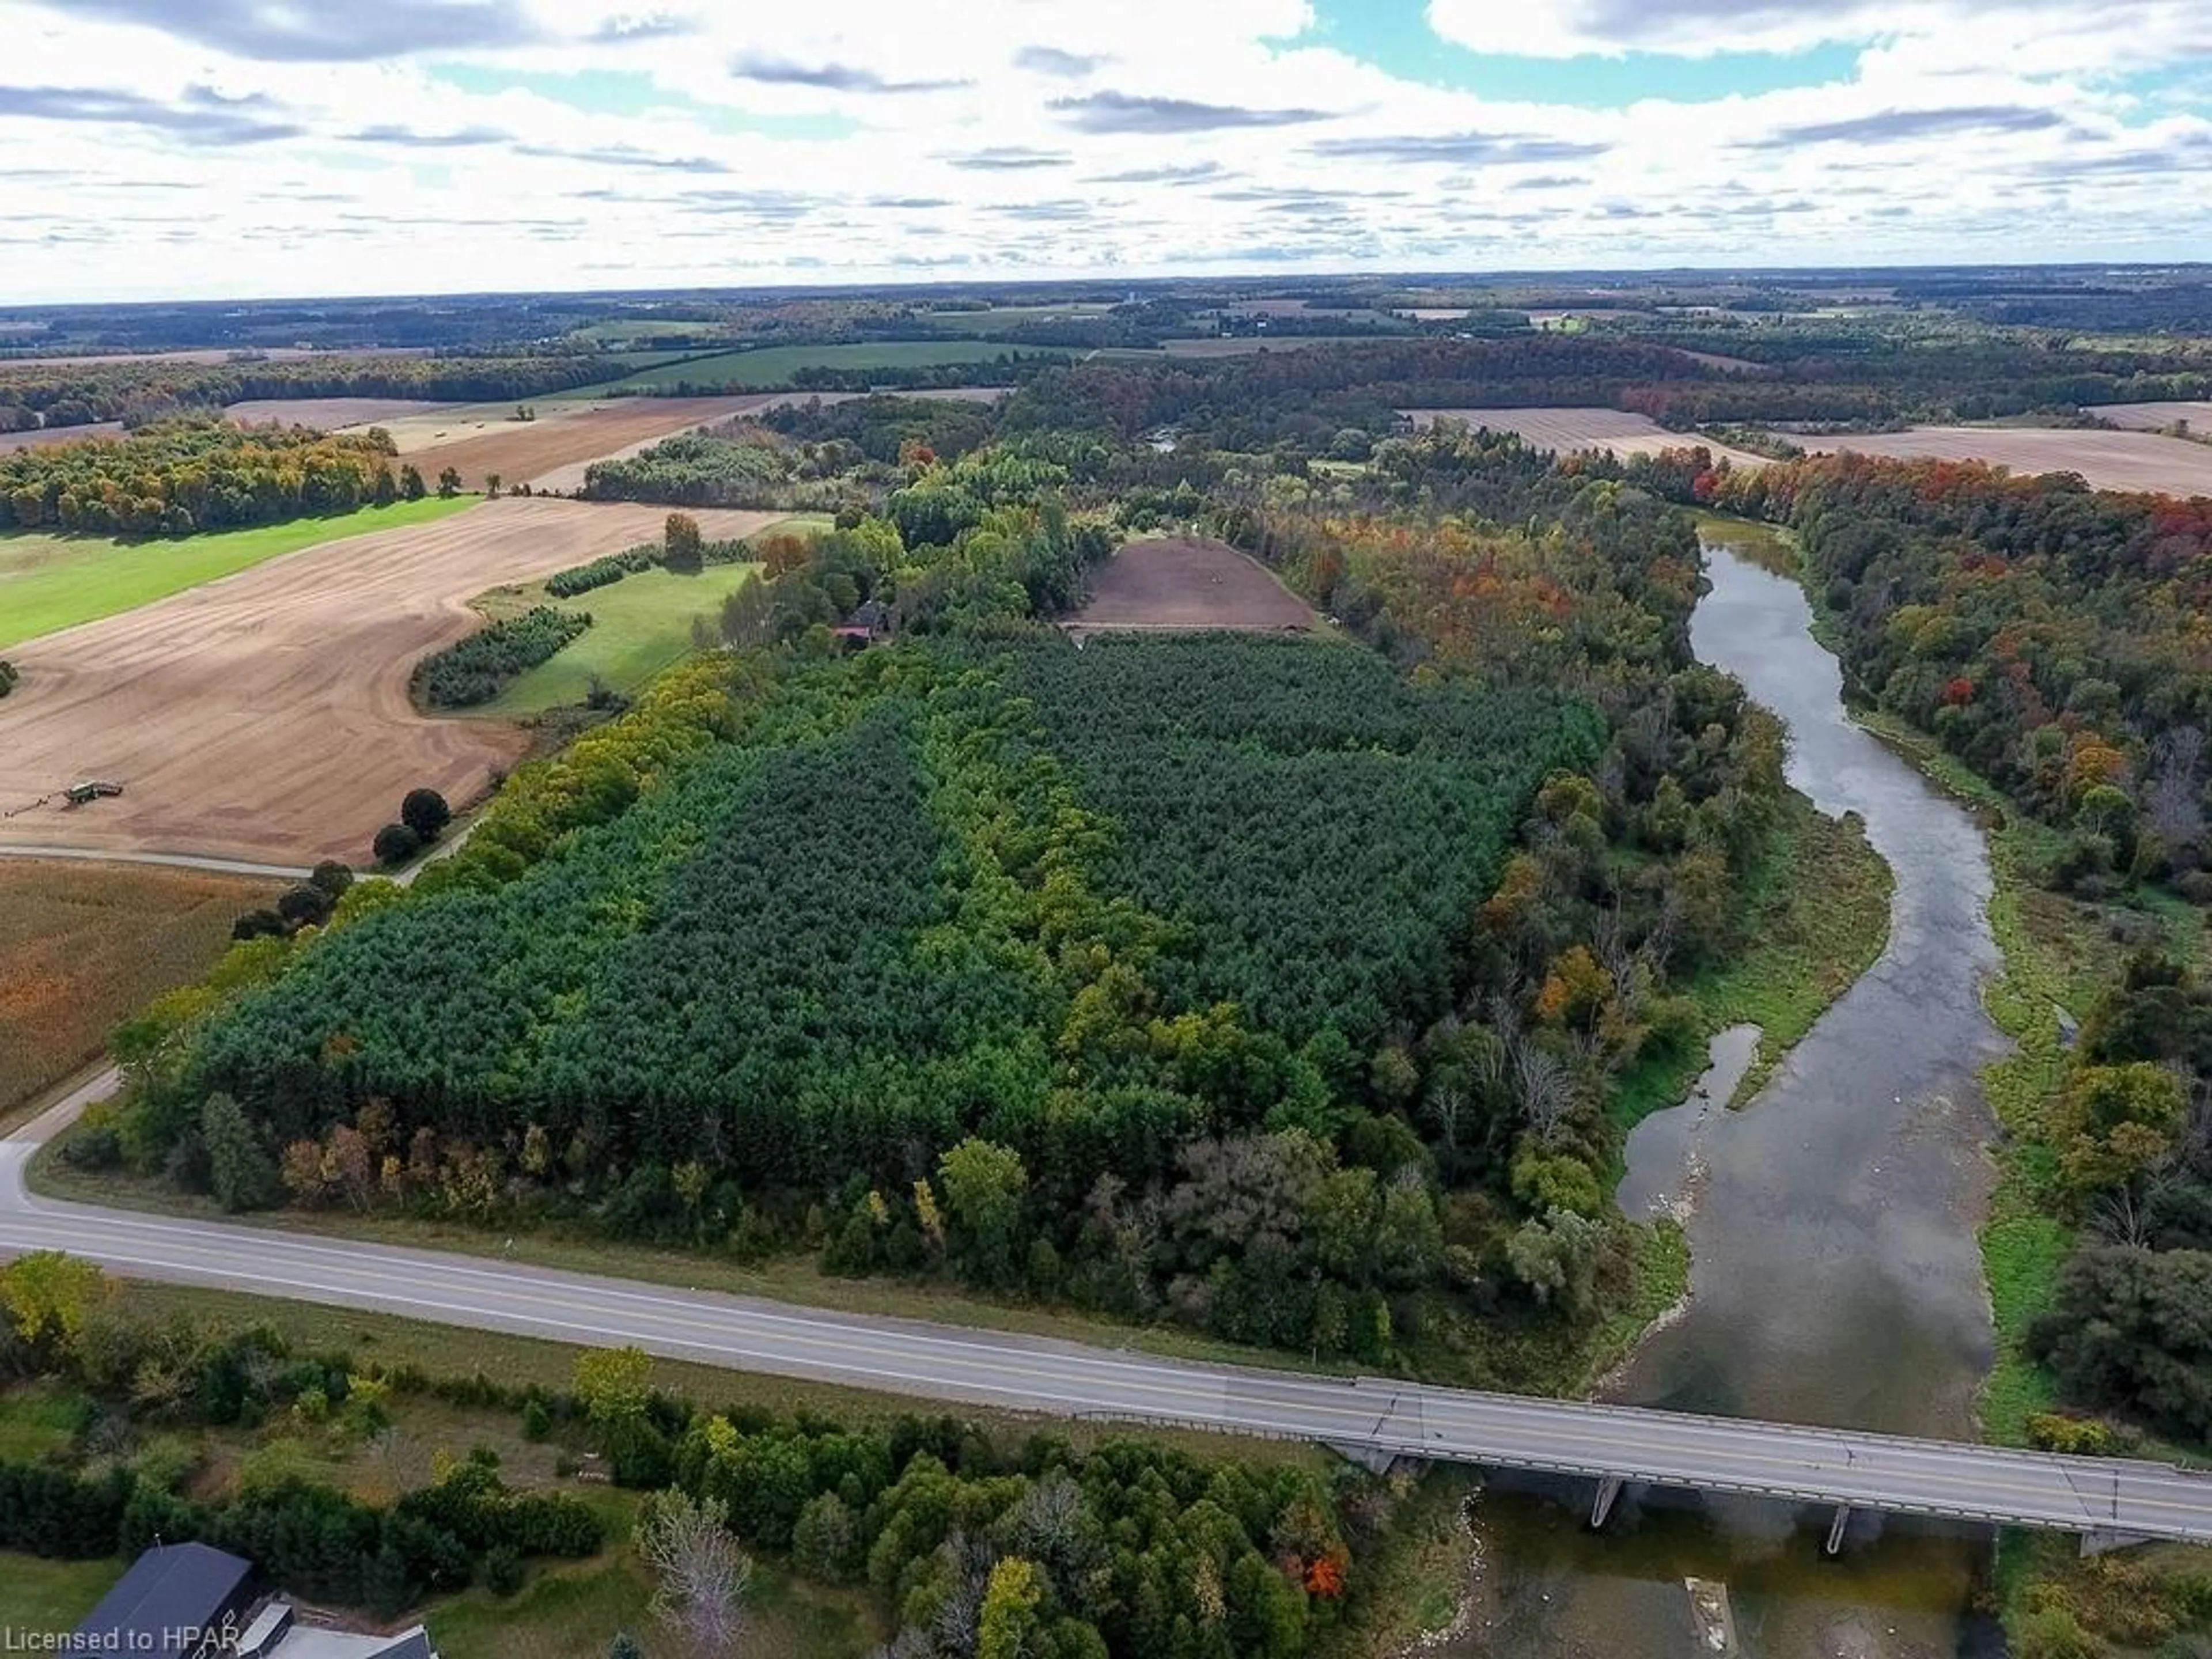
(1835, 1277)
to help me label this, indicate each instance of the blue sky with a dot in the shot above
(300, 146)
(1397, 36)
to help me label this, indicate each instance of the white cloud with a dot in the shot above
(2033, 36)
(148, 156)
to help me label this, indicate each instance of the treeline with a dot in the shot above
(1307, 399)
(181, 475)
(697, 468)
(2128, 1152)
(478, 668)
(315, 1541)
(601, 572)
(136, 390)
(965, 1542)
(1008, 367)
(2050, 635)
(889, 430)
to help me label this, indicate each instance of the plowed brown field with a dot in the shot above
(1187, 583)
(266, 716)
(328, 414)
(526, 451)
(2107, 460)
(1566, 430)
(2150, 418)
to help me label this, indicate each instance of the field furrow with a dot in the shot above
(266, 716)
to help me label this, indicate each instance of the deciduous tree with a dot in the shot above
(702, 1577)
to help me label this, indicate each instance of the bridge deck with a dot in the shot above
(1808, 1465)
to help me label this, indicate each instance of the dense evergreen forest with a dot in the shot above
(475, 670)
(1260, 984)
(179, 476)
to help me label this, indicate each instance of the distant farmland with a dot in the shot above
(770, 367)
(2107, 460)
(542, 452)
(267, 717)
(1564, 431)
(2152, 417)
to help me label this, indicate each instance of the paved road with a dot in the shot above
(989, 1368)
(173, 860)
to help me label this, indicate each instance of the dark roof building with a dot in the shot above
(175, 1602)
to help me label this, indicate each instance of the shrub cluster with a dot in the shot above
(476, 669)
(599, 573)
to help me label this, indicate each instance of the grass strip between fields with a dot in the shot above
(50, 582)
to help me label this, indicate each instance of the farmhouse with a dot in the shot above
(870, 621)
(177, 1599)
(191, 1601)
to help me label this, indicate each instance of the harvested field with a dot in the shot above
(216, 355)
(528, 450)
(2107, 460)
(50, 582)
(83, 946)
(2152, 417)
(266, 716)
(1564, 431)
(1187, 582)
(39, 437)
(328, 413)
(570, 478)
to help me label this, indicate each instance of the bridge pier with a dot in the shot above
(1609, 1493)
(2104, 1542)
(1835, 1529)
(1375, 1459)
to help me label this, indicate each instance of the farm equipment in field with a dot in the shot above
(92, 789)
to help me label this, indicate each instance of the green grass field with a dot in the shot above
(572, 1611)
(1002, 319)
(772, 366)
(50, 582)
(640, 625)
(36, 1596)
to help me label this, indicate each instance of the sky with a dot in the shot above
(213, 148)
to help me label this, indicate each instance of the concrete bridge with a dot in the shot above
(2106, 1501)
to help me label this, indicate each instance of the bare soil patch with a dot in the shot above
(1564, 431)
(2107, 460)
(328, 413)
(535, 451)
(39, 436)
(1186, 582)
(83, 946)
(570, 478)
(265, 716)
(2152, 417)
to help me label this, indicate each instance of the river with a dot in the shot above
(1835, 1275)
